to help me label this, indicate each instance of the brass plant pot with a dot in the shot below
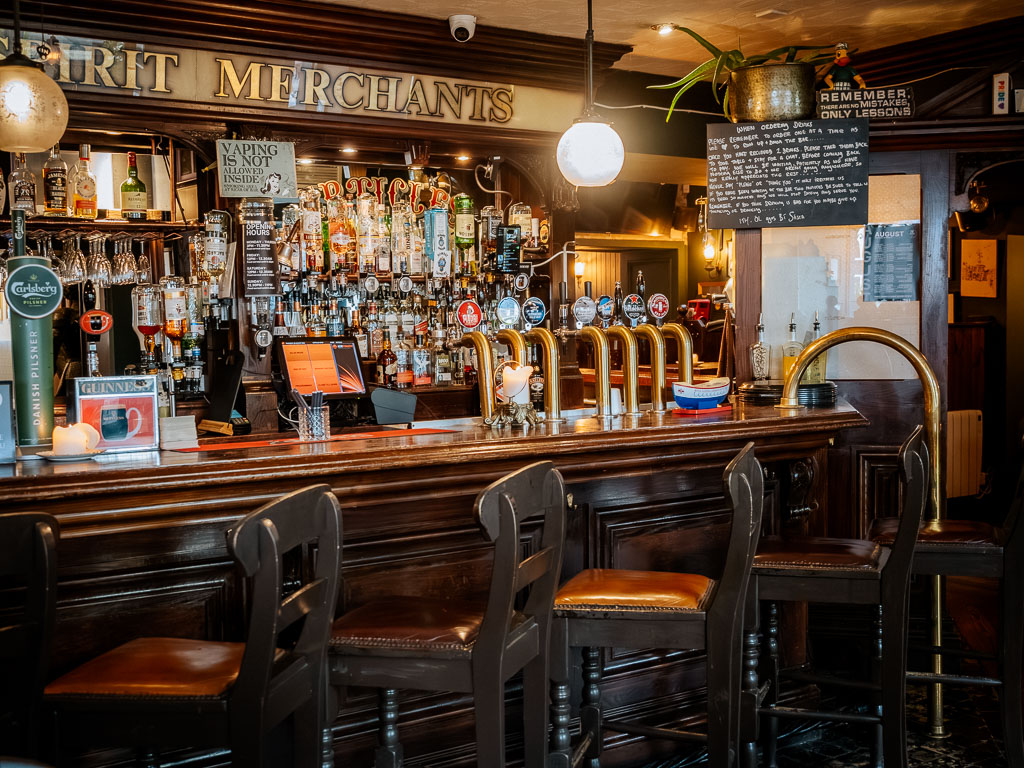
(783, 91)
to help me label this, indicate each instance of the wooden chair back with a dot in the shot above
(305, 518)
(913, 463)
(536, 491)
(1013, 525)
(28, 581)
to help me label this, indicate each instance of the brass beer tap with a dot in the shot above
(485, 369)
(657, 344)
(515, 341)
(602, 368)
(629, 367)
(684, 345)
(552, 383)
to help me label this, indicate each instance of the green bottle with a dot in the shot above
(134, 200)
(465, 220)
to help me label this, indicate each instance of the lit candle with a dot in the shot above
(515, 385)
(68, 441)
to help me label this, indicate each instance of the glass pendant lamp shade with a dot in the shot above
(590, 153)
(33, 110)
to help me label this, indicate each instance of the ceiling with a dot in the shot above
(864, 25)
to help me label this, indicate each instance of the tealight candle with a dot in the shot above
(515, 384)
(68, 441)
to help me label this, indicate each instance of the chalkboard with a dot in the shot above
(805, 173)
(891, 264)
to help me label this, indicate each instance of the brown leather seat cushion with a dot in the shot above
(155, 666)
(816, 553)
(600, 589)
(411, 623)
(966, 532)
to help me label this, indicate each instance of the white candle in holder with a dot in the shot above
(515, 386)
(68, 441)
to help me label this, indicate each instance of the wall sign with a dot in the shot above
(866, 102)
(792, 174)
(256, 168)
(123, 409)
(242, 80)
(978, 263)
(891, 263)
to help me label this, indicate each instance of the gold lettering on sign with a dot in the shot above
(501, 105)
(339, 90)
(450, 96)
(131, 79)
(478, 93)
(160, 79)
(280, 82)
(382, 86)
(316, 87)
(251, 77)
(101, 68)
(418, 99)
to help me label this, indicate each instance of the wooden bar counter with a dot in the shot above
(142, 546)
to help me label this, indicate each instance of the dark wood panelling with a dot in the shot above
(748, 297)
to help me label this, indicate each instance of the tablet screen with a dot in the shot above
(331, 367)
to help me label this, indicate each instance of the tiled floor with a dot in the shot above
(974, 741)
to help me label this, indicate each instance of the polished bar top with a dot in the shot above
(40, 480)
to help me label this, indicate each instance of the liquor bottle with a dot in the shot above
(175, 311)
(760, 354)
(536, 380)
(815, 373)
(55, 184)
(312, 231)
(422, 370)
(403, 360)
(134, 200)
(791, 349)
(403, 222)
(23, 187)
(382, 243)
(341, 233)
(359, 336)
(391, 316)
(416, 265)
(375, 331)
(83, 187)
(366, 232)
(387, 363)
(465, 220)
(641, 291)
(521, 214)
(617, 319)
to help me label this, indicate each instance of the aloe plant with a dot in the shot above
(717, 68)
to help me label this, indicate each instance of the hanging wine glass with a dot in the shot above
(124, 261)
(98, 268)
(143, 268)
(74, 259)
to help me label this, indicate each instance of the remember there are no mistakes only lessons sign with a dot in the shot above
(256, 169)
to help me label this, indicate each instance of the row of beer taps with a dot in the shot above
(598, 338)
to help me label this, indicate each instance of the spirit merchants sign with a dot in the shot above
(256, 168)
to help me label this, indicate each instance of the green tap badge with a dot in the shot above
(34, 293)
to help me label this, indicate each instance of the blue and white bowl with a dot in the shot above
(706, 394)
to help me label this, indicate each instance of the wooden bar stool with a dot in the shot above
(848, 572)
(972, 548)
(434, 644)
(28, 568)
(168, 691)
(601, 608)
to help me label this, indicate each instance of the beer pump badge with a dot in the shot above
(606, 307)
(34, 291)
(633, 308)
(469, 314)
(96, 321)
(508, 311)
(657, 306)
(533, 312)
(584, 309)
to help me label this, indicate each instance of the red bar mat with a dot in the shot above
(718, 409)
(294, 440)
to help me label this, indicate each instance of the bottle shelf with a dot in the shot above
(104, 225)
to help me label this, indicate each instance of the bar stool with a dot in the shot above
(600, 608)
(847, 572)
(28, 567)
(168, 691)
(972, 548)
(470, 646)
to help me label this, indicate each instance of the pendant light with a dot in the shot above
(33, 109)
(590, 152)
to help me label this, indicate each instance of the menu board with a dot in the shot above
(259, 265)
(331, 367)
(802, 173)
(891, 264)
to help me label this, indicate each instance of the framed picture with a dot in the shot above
(978, 261)
(185, 165)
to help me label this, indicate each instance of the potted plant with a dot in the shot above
(772, 86)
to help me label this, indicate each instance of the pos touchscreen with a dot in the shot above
(331, 367)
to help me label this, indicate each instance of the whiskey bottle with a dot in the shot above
(760, 354)
(816, 370)
(536, 380)
(422, 373)
(465, 220)
(55, 184)
(387, 363)
(791, 349)
(403, 360)
(134, 200)
(23, 187)
(83, 187)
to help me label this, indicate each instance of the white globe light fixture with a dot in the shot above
(33, 109)
(590, 153)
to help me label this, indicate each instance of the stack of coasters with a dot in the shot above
(177, 432)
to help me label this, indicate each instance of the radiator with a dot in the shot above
(963, 453)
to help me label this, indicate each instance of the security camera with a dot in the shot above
(463, 26)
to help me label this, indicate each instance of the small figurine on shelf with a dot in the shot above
(841, 75)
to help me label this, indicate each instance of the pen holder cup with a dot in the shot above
(314, 423)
